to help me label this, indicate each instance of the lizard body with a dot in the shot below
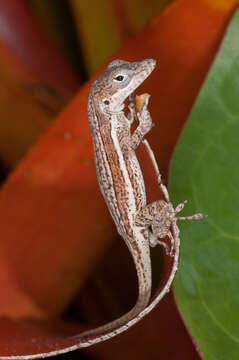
(118, 171)
(141, 225)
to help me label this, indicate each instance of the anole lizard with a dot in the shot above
(119, 174)
(141, 225)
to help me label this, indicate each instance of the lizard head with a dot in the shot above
(118, 81)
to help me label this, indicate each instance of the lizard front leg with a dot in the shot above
(130, 143)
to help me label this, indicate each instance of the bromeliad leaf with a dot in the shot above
(205, 170)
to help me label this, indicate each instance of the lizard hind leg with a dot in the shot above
(191, 217)
(154, 241)
(155, 217)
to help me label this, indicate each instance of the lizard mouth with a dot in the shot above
(148, 65)
(144, 70)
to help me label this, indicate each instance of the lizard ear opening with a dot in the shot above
(106, 102)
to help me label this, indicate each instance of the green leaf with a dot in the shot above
(205, 170)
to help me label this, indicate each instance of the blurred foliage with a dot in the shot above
(36, 81)
(103, 26)
(69, 39)
(55, 17)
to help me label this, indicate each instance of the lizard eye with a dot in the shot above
(106, 102)
(119, 78)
